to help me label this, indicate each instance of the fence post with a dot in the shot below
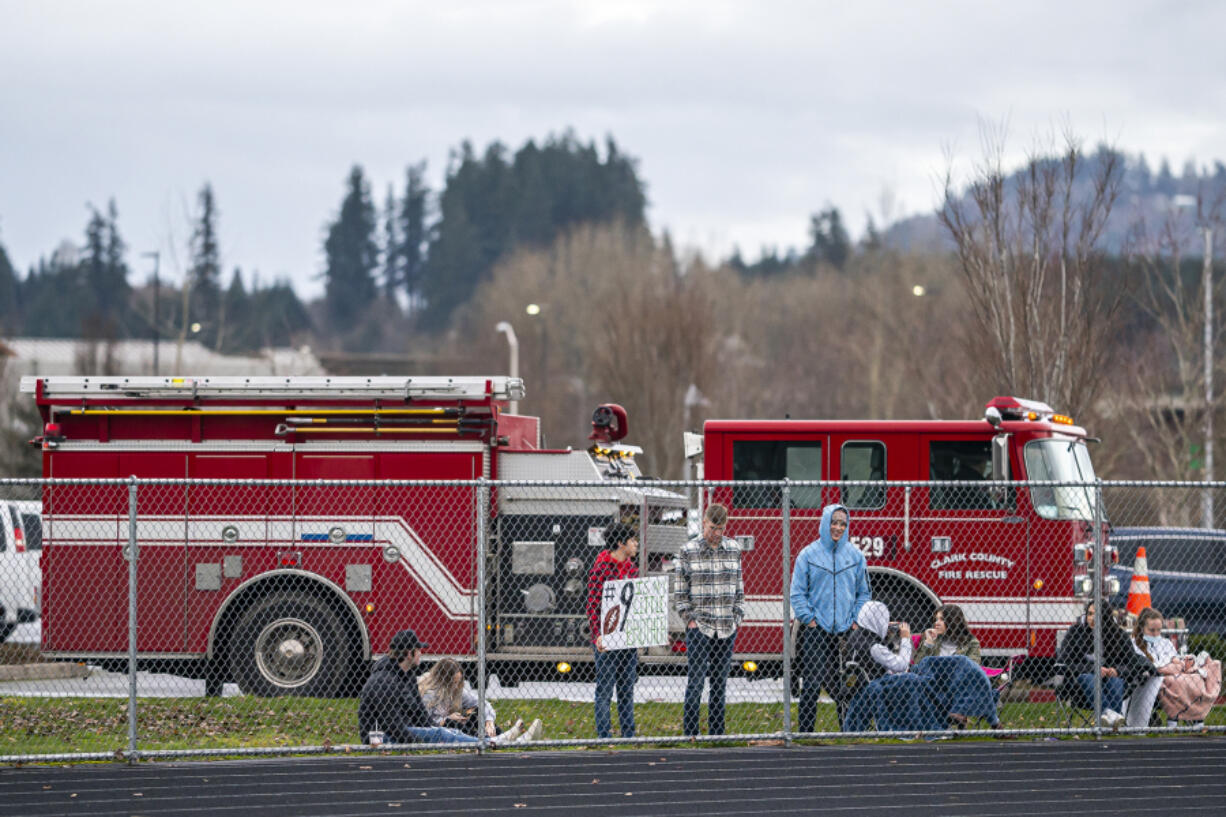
(133, 553)
(1099, 617)
(787, 612)
(483, 514)
(643, 519)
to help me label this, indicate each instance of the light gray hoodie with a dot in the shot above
(875, 617)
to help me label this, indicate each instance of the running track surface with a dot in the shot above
(1163, 776)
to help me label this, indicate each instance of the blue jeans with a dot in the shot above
(438, 734)
(618, 668)
(1113, 691)
(706, 657)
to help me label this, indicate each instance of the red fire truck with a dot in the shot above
(293, 588)
(1007, 555)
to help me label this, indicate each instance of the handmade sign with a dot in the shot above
(634, 613)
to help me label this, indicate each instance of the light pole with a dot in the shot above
(1207, 285)
(157, 258)
(535, 310)
(513, 343)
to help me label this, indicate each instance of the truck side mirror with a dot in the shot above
(1000, 457)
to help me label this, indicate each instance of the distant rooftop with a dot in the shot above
(61, 356)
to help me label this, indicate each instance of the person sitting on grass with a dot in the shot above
(390, 705)
(452, 703)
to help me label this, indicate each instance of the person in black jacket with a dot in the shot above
(1122, 670)
(391, 703)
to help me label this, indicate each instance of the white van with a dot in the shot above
(21, 576)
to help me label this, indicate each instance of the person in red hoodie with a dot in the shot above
(618, 668)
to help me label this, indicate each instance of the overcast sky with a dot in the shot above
(745, 116)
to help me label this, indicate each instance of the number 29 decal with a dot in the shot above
(870, 546)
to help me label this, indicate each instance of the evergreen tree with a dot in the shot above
(278, 315)
(351, 252)
(1145, 176)
(392, 258)
(454, 263)
(490, 204)
(623, 190)
(10, 297)
(1189, 180)
(114, 287)
(232, 320)
(98, 283)
(1165, 183)
(91, 275)
(872, 236)
(534, 216)
(830, 242)
(46, 313)
(116, 269)
(414, 232)
(205, 270)
(736, 261)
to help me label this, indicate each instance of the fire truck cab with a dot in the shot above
(1006, 554)
(294, 587)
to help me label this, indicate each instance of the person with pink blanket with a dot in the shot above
(1186, 686)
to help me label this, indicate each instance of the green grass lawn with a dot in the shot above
(59, 725)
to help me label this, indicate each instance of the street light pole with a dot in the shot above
(1207, 285)
(513, 343)
(157, 259)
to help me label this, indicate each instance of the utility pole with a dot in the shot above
(157, 258)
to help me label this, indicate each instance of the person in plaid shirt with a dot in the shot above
(710, 598)
(618, 668)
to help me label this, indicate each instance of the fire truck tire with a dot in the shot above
(289, 644)
(905, 602)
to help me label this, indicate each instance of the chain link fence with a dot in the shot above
(172, 618)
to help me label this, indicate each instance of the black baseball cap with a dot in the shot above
(406, 640)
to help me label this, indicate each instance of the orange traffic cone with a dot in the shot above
(1138, 590)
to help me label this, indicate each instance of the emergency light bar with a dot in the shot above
(1018, 408)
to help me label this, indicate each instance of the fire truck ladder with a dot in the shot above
(383, 388)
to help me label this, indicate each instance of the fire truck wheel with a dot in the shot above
(289, 644)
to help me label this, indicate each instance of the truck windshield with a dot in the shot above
(1060, 460)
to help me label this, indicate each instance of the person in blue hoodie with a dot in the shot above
(829, 586)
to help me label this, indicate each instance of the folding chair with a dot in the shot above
(1074, 709)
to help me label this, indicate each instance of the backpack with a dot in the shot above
(857, 667)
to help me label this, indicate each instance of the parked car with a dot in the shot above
(21, 576)
(1187, 573)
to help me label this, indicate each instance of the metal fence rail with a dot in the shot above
(180, 618)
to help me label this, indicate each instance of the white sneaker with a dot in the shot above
(510, 735)
(534, 732)
(1112, 719)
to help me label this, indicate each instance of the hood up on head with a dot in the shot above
(874, 617)
(824, 530)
